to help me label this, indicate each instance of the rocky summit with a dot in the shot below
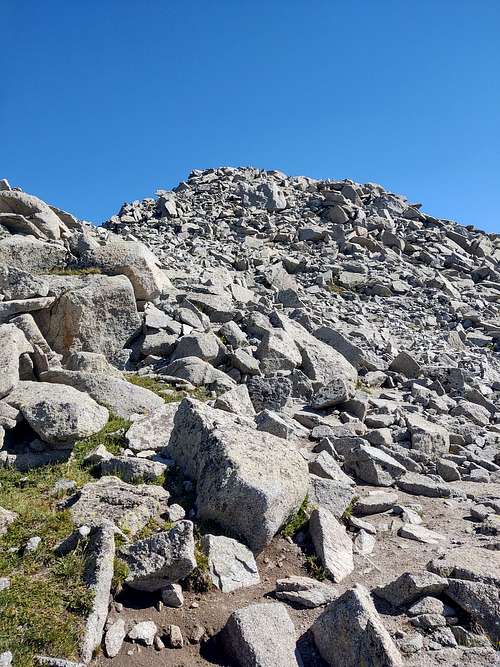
(253, 420)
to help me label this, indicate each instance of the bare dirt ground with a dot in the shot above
(391, 557)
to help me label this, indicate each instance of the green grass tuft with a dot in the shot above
(199, 580)
(350, 509)
(298, 521)
(165, 390)
(45, 607)
(315, 569)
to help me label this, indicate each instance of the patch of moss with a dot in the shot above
(199, 580)
(75, 271)
(165, 390)
(298, 520)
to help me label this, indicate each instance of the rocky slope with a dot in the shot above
(251, 421)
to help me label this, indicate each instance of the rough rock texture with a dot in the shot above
(247, 636)
(249, 482)
(332, 544)
(231, 564)
(59, 414)
(350, 633)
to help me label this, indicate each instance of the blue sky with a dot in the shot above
(106, 101)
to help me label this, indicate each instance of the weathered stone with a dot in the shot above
(261, 634)
(409, 587)
(427, 437)
(247, 481)
(305, 592)
(373, 466)
(113, 640)
(13, 344)
(237, 401)
(161, 559)
(332, 544)
(350, 633)
(231, 564)
(153, 431)
(60, 415)
(127, 506)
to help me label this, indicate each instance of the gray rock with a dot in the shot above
(134, 260)
(237, 401)
(305, 592)
(171, 595)
(18, 284)
(338, 390)
(6, 518)
(132, 469)
(247, 481)
(60, 415)
(231, 564)
(123, 398)
(332, 544)
(152, 432)
(198, 372)
(330, 494)
(270, 393)
(93, 314)
(26, 214)
(205, 346)
(427, 437)
(277, 351)
(31, 254)
(470, 562)
(373, 466)
(481, 601)
(420, 485)
(409, 587)
(129, 507)
(261, 635)
(350, 633)
(13, 344)
(161, 559)
(375, 502)
(113, 640)
(405, 364)
(420, 534)
(143, 632)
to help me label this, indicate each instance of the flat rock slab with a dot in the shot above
(261, 635)
(332, 544)
(305, 592)
(129, 507)
(409, 587)
(420, 534)
(231, 564)
(350, 633)
(375, 503)
(469, 562)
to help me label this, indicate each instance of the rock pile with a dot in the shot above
(305, 378)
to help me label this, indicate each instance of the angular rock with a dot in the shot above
(373, 466)
(427, 437)
(332, 544)
(247, 481)
(161, 559)
(153, 431)
(350, 633)
(305, 592)
(409, 587)
(231, 564)
(262, 635)
(13, 344)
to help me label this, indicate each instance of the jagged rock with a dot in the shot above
(350, 633)
(26, 214)
(127, 506)
(261, 634)
(92, 314)
(13, 344)
(405, 364)
(205, 346)
(270, 393)
(277, 351)
(420, 485)
(375, 502)
(134, 260)
(468, 562)
(427, 437)
(305, 592)
(373, 466)
(247, 481)
(332, 544)
(171, 595)
(481, 601)
(330, 494)
(338, 390)
(161, 559)
(420, 534)
(237, 401)
(31, 254)
(409, 587)
(60, 415)
(18, 284)
(231, 564)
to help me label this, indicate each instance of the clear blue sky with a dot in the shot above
(105, 101)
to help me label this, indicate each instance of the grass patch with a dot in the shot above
(350, 509)
(298, 521)
(75, 271)
(165, 390)
(44, 609)
(120, 573)
(315, 569)
(199, 580)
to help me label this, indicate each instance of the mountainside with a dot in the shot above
(250, 421)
